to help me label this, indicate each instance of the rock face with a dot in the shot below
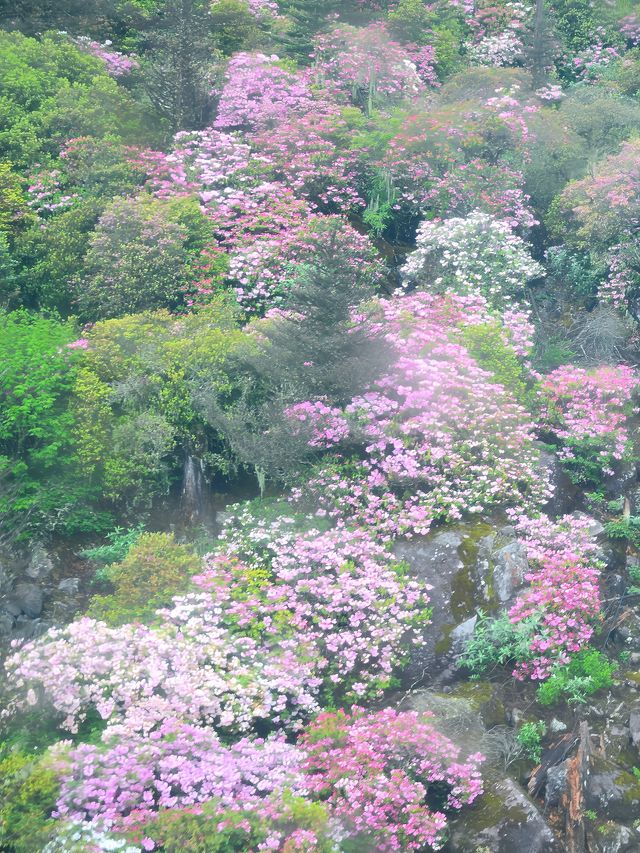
(470, 566)
(28, 597)
(613, 838)
(612, 791)
(504, 820)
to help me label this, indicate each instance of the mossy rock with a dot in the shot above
(612, 791)
(481, 695)
(503, 820)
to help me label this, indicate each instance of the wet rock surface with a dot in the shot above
(470, 566)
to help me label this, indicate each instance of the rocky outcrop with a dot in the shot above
(471, 566)
(504, 820)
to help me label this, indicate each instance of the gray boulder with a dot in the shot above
(28, 597)
(504, 820)
(40, 564)
(510, 564)
(613, 838)
(613, 792)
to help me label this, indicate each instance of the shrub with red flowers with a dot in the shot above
(376, 771)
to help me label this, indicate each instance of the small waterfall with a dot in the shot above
(193, 489)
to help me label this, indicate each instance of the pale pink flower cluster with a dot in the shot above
(258, 93)
(439, 436)
(326, 425)
(117, 64)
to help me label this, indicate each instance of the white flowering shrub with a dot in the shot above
(477, 255)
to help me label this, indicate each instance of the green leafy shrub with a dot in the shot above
(156, 568)
(529, 737)
(587, 672)
(486, 345)
(497, 641)
(28, 792)
(218, 831)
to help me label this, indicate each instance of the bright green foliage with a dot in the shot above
(137, 399)
(529, 737)
(497, 641)
(28, 791)
(588, 672)
(14, 211)
(118, 543)
(486, 345)
(52, 91)
(42, 486)
(155, 568)
(626, 529)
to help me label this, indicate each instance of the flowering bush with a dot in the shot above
(340, 594)
(590, 410)
(189, 668)
(375, 772)
(563, 597)
(326, 424)
(630, 29)
(440, 436)
(554, 618)
(497, 32)
(479, 254)
(117, 64)
(258, 93)
(367, 67)
(178, 765)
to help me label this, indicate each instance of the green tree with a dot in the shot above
(308, 18)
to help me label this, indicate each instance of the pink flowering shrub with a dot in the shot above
(563, 596)
(554, 618)
(590, 409)
(117, 64)
(307, 154)
(366, 67)
(255, 641)
(326, 425)
(375, 771)
(630, 29)
(440, 437)
(178, 765)
(262, 264)
(340, 594)
(258, 93)
(189, 668)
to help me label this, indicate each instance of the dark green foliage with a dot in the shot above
(587, 672)
(315, 351)
(180, 66)
(308, 18)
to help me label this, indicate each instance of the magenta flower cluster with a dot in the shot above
(325, 425)
(562, 601)
(117, 64)
(440, 436)
(595, 405)
(375, 771)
